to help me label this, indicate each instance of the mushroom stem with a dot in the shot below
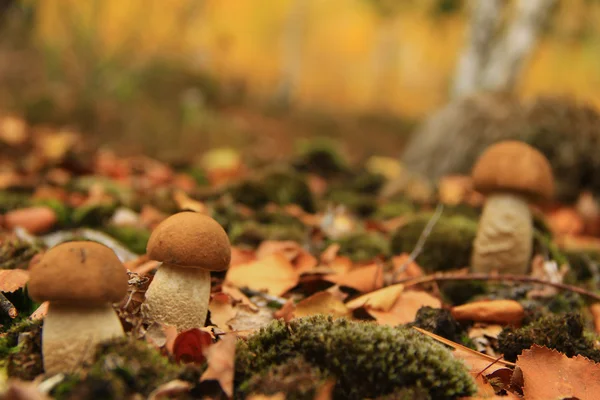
(504, 238)
(71, 333)
(179, 296)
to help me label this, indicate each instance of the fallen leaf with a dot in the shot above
(22, 390)
(220, 358)
(241, 256)
(321, 303)
(325, 392)
(170, 389)
(13, 279)
(276, 396)
(286, 312)
(13, 130)
(246, 321)
(382, 299)
(494, 311)
(41, 311)
(595, 310)
(33, 219)
(405, 308)
(364, 279)
(237, 295)
(190, 346)
(454, 189)
(548, 374)
(330, 253)
(273, 274)
(299, 257)
(405, 268)
(221, 310)
(565, 221)
(185, 202)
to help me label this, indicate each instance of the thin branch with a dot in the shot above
(7, 307)
(499, 278)
(422, 239)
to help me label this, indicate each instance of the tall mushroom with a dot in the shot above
(189, 245)
(510, 173)
(80, 280)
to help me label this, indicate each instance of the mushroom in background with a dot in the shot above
(80, 280)
(189, 245)
(510, 174)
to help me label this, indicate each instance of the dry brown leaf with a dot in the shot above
(405, 308)
(337, 293)
(185, 202)
(220, 358)
(488, 330)
(595, 310)
(321, 303)
(404, 268)
(330, 253)
(276, 396)
(495, 311)
(286, 312)
(381, 300)
(13, 279)
(237, 295)
(273, 274)
(33, 219)
(325, 392)
(21, 390)
(241, 256)
(299, 257)
(565, 221)
(221, 310)
(170, 389)
(364, 279)
(548, 374)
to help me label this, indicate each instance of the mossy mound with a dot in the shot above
(448, 246)
(21, 350)
(134, 238)
(321, 156)
(252, 233)
(11, 200)
(363, 246)
(358, 203)
(441, 322)
(395, 208)
(122, 368)
(367, 360)
(93, 215)
(16, 253)
(562, 332)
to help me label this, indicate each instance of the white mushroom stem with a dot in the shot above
(178, 296)
(504, 238)
(71, 333)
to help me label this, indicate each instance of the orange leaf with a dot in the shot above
(363, 279)
(565, 221)
(33, 219)
(382, 299)
(595, 310)
(221, 310)
(299, 257)
(237, 295)
(190, 346)
(286, 312)
(220, 358)
(241, 256)
(185, 202)
(403, 269)
(13, 279)
(276, 396)
(321, 303)
(495, 311)
(405, 308)
(548, 374)
(275, 274)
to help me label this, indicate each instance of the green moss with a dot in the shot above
(441, 322)
(124, 194)
(321, 156)
(252, 233)
(134, 238)
(10, 200)
(63, 212)
(563, 332)
(122, 367)
(93, 214)
(367, 360)
(394, 209)
(16, 253)
(288, 187)
(460, 292)
(21, 350)
(250, 193)
(583, 265)
(360, 204)
(297, 378)
(366, 182)
(448, 246)
(364, 246)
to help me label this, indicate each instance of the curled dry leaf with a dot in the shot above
(191, 346)
(364, 279)
(273, 274)
(220, 358)
(299, 257)
(548, 374)
(33, 219)
(321, 303)
(381, 300)
(405, 308)
(185, 202)
(494, 311)
(13, 279)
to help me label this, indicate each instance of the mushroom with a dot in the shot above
(189, 245)
(80, 280)
(510, 173)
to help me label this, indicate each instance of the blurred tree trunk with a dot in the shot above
(385, 60)
(291, 61)
(494, 62)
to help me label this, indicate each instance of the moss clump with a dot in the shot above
(394, 209)
(448, 246)
(360, 204)
(250, 193)
(367, 182)
(62, 211)
(321, 156)
(565, 333)
(16, 253)
(297, 378)
(134, 238)
(12, 200)
(364, 246)
(584, 265)
(366, 360)
(288, 187)
(442, 323)
(252, 233)
(93, 214)
(122, 367)
(21, 350)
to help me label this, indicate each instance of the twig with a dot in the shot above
(422, 239)
(251, 292)
(496, 277)
(8, 307)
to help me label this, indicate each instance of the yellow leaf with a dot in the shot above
(382, 299)
(321, 303)
(274, 274)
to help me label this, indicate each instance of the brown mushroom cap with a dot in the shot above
(514, 166)
(190, 239)
(78, 272)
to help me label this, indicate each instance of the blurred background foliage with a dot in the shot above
(173, 77)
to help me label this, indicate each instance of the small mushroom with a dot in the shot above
(189, 245)
(511, 174)
(80, 280)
